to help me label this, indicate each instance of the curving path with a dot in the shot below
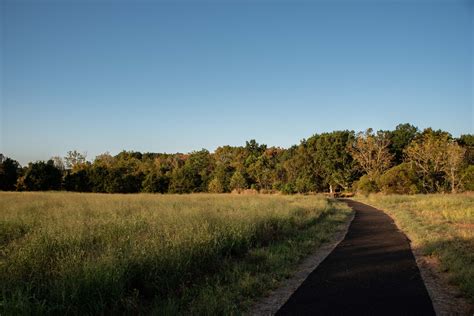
(371, 272)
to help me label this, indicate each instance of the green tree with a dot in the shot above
(97, 175)
(9, 173)
(42, 176)
(183, 180)
(78, 181)
(334, 163)
(155, 182)
(400, 138)
(467, 142)
(468, 178)
(238, 182)
(198, 170)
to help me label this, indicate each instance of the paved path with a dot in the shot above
(371, 272)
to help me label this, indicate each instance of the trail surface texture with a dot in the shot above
(371, 272)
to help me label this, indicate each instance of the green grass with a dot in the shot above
(166, 254)
(441, 225)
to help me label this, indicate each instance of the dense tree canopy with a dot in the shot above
(404, 160)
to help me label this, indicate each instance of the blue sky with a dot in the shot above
(161, 76)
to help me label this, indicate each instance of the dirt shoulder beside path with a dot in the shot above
(372, 271)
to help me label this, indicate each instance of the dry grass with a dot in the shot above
(93, 253)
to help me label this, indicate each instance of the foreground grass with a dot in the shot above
(441, 226)
(165, 254)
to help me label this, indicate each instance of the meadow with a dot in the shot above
(76, 253)
(440, 225)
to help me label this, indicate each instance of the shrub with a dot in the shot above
(288, 188)
(366, 185)
(216, 186)
(401, 179)
(468, 178)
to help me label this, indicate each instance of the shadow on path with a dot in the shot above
(372, 271)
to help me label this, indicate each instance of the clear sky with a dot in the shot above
(160, 76)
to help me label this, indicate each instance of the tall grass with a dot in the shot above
(92, 253)
(441, 226)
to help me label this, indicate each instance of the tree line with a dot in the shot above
(404, 161)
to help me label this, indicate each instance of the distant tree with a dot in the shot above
(371, 152)
(329, 161)
(42, 176)
(468, 178)
(221, 176)
(216, 186)
(452, 167)
(105, 160)
(238, 182)
(155, 182)
(255, 149)
(301, 172)
(467, 142)
(183, 180)
(98, 175)
(260, 171)
(9, 173)
(74, 158)
(119, 180)
(334, 162)
(78, 181)
(434, 158)
(400, 138)
(198, 170)
(59, 163)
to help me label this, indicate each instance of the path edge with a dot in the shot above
(445, 297)
(271, 303)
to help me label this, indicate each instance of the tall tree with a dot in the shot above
(400, 138)
(467, 142)
(371, 152)
(237, 181)
(429, 154)
(42, 176)
(452, 167)
(9, 173)
(74, 159)
(333, 161)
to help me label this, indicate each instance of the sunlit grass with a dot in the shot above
(94, 253)
(441, 225)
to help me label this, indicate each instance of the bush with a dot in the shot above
(288, 188)
(401, 179)
(216, 186)
(468, 178)
(365, 185)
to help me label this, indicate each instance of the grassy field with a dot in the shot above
(440, 225)
(168, 254)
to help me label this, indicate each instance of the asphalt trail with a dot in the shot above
(371, 272)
